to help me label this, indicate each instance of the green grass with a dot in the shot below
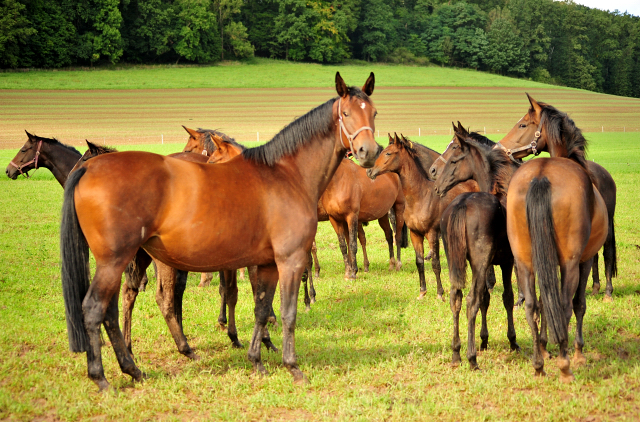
(371, 351)
(258, 73)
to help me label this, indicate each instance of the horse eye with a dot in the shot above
(522, 125)
(345, 114)
(388, 153)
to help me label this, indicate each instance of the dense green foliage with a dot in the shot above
(548, 41)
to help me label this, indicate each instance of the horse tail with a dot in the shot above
(404, 240)
(610, 253)
(74, 254)
(544, 254)
(456, 245)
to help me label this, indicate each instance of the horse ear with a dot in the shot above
(396, 140)
(367, 88)
(464, 132)
(390, 138)
(218, 141)
(341, 87)
(191, 132)
(30, 136)
(534, 104)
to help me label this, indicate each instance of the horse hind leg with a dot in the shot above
(205, 279)
(455, 301)
(596, 276)
(417, 240)
(352, 230)
(388, 235)
(363, 242)
(507, 301)
(474, 299)
(266, 338)
(314, 252)
(231, 296)
(134, 276)
(264, 287)
(579, 308)
(434, 245)
(484, 308)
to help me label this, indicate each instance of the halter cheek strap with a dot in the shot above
(533, 146)
(349, 136)
(34, 161)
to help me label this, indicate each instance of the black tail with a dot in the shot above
(610, 253)
(544, 254)
(404, 240)
(74, 254)
(455, 240)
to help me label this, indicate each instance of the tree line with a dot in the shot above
(549, 41)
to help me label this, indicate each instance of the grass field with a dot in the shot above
(370, 349)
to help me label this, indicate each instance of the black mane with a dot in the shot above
(209, 146)
(416, 155)
(55, 141)
(561, 130)
(500, 166)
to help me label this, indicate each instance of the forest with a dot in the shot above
(557, 42)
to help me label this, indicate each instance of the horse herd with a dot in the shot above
(488, 206)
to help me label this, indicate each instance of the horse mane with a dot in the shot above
(561, 130)
(209, 146)
(422, 155)
(481, 139)
(55, 141)
(303, 130)
(417, 156)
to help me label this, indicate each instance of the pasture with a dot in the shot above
(370, 350)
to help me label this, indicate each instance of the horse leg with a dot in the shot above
(388, 235)
(222, 288)
(400, 230)
(596, 276)
(531, 311)
(266, 338)
(520, 289)
(314, 252)
(104, 287)
(455, 301)
(434, 245)
(474, 297)
(340, 231)
(178, 294)
(264, 287)
(417, 240)
(507, 300)
(570, 283)
(205, 279)
(290, 272)
(133, 275)
(484, 308)
(305, 278)
(312, 290)
(363, 242)
(165, 298)
(579, 308)
(241, 272)
(543, 331)
(231, 297)
(352, 227)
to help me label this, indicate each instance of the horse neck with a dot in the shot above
(415, 185)
(58, 159)
(316, 162)
(556, 150)
(481, 171)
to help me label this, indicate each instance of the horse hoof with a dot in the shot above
(269, 345)
(273, 321)
(222, 326)
(260, 369)
(193, 356)
(440, 298)
(579, 359)
(236, 344)
(540, 373)
(313, 300)
(317, 274)
(607, 299)
(422, 295)
(298, 377)
(307, 308)
(515, 347)
(567, 377)
(398, 266)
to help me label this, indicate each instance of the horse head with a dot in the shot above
(27, 158)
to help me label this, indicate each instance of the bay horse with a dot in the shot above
(474, 228)
(423, 206)
(264, 201)
(555, 217)
(352, 198)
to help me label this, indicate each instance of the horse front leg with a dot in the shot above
(339, 228)
(401, 234)
(417, 239)
(314, 252)
(231, 297)
(134, 275)
(165, 298)
(264, 287)
(290, 271)
(352, 226)
(388, 235)
(434, 245)
(266, 338)
(596, 276)
(363, 242)
(222, 288)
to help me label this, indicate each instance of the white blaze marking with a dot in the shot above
(142, 234)
(362, 105)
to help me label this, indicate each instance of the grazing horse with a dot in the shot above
(520, 145)
(423, 206)
(265, 207)
(352, 198)
(555, 217)
(474, 228)
(43, 152)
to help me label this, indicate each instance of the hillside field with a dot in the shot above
(370, 350)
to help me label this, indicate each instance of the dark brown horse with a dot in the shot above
(423, 206)
(352, 198)
(555, 217)
(265, 208)
(533, 142)
(474, 228)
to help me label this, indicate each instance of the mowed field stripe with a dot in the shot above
(120, 117)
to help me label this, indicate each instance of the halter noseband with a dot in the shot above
(533, 146)
(34, 160)
(349, 136)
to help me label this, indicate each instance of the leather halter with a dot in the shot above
(350, 136)
(440, 157)
(34, 160)
(533, 146)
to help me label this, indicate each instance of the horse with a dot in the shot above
(265, 207)
(351, 198)
(606, 186)
(555, 217)
(474, 228)
(423, 206)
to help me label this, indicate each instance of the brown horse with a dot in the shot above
(474, 228)
(555, 217)
(265, 207)
(423, 206)
(352, 198)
